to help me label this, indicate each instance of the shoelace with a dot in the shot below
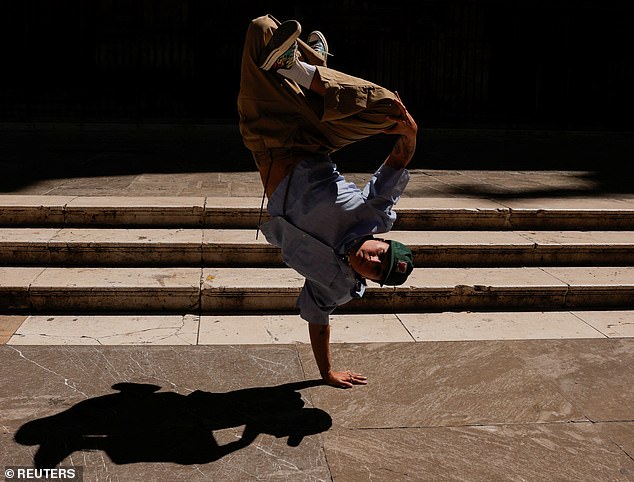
(318, 47)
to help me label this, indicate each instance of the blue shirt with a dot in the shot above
(317, 216)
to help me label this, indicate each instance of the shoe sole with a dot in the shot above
(281, 41)
(317, 35)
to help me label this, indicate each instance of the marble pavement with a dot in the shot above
(461, 410)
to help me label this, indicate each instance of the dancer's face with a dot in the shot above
(370, 259)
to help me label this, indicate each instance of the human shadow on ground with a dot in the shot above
(141, 424)
(589, 184)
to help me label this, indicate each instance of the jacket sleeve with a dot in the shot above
(313, 306)
(384, 190)
(316, 302)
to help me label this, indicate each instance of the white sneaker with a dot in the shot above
(317, 42)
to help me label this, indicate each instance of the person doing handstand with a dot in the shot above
(294, 112)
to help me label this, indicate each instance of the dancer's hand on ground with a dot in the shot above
(345, 379)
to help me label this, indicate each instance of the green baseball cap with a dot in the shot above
(400, 264)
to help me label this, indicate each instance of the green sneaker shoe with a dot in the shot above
(317, 42)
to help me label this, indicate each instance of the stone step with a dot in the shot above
(239, 248)
(135, 247)
(274, 290)
(209, 329)
(243, 212)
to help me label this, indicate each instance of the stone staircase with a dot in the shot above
(124, 255)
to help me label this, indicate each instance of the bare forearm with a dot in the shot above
(402, 152)
(407, 130)
(320, 343)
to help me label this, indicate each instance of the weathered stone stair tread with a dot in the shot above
(243, 212)
(134, 247)
(257, 290)
(110, 210)
(227, 247)
(191, 329)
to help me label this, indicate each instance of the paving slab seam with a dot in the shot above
(199, 313)
(613, 421)
(623, 449)
(322, 450)
(565, 294)
(29, 295)
(65, 210)
(589, 423)
(589, 324)
(506, 211)
(413, 338)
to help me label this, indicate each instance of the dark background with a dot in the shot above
(493, 84)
